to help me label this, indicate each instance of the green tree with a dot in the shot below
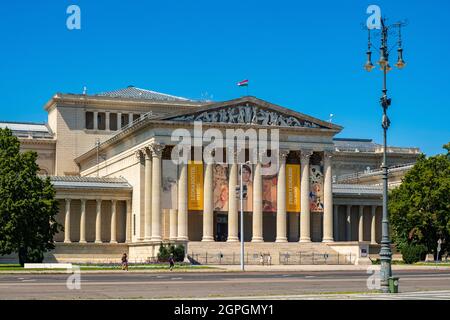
(420, 206)
(27, 203)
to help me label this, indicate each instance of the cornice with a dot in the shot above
(82, 100)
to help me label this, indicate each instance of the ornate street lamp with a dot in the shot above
(385, 252)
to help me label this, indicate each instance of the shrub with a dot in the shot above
(413, 253)
(166, 250)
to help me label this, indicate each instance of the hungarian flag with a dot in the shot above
(243, 83)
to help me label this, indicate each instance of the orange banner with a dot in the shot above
(292, 187)
(195, 185)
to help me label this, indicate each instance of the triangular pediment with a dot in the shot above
(251, 111)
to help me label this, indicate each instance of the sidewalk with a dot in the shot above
(287, 268)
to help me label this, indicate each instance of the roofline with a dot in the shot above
(214, 105)
(26, 122)
(353, 139)
(84, 99)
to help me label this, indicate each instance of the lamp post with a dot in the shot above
(385, 251)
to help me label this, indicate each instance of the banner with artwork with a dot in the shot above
(247, 180)
(220, 187)
(316, 188)
(169, 194)
(269, 192)
(293, 188)
(195, 185)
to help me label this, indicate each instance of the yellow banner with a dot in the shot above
(195, 185)
(293, 188)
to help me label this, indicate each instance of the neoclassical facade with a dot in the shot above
(135, 168)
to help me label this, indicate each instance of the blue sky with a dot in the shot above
(307, 56)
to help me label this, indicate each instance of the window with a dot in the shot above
(113, 121)
(124, 119)
(101, 121)
(89, 120)
(134, 224)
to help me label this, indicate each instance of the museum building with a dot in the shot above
(110, 159)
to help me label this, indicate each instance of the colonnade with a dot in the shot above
(98, 221)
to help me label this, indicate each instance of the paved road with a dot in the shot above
(277, 285)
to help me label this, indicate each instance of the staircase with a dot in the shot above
(280, 253)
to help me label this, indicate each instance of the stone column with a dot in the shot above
(130, 118)
(139, 215)
(233, 215)
(361, 224)
(98, 222)
(281, 198)
(257, 219)
(173, 224)
(129, 227)
(156, 150)
(348, 224)
(305, 215)
(113, 221)
(373, 235)
(183, 203)
(83, 221)
(95, 120)
(67, 223)
(119, 121)
(107, 121)
(336, 222)
(328, 199)
(208, 204)
(147, 195)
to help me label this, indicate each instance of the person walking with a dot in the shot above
(125, 262)
(269, 260)
(171, 262)
(261, 259)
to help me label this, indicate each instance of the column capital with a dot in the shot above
(68, 200)
(99, 201)
(305, 154)
(138, 154)
(156, 149)
(113, 201)
(83, 201)
(211, 159)
(283, 153)
(328, 154)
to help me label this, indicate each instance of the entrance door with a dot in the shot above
(222, 227)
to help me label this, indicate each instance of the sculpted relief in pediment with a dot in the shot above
(248, 115)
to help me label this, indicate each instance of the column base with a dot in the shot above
(281, 239)
(328, 240)
(257, 239)
(113, 241)
(173, 239)
(304, 240)
(98, 241)
(207, 239)
(374, 243)
(156, 238)
(233, 239)
(82, 241)
(147, 238)
(183, 239)
(67, 241)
